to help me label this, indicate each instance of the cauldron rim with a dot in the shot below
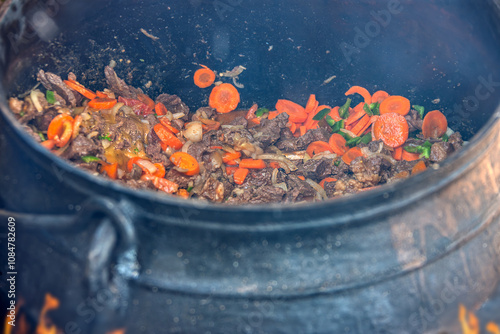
(452, 168)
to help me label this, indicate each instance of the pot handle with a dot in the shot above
(112, 258)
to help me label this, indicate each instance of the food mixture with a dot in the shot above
(284, 153)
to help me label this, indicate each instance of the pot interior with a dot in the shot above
(440, 54)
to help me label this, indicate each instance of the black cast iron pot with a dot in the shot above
(398, 259)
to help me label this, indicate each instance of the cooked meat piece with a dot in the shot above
(456, 141)
(54, 82)
(340, 170)
(140, 184)
(128, 127)
(135, 173)
(197, 150)
(414, 121)
(206, 112)
(82, 146)
(212, 190)
(91, 166)
(367, 170)
(231, 137)
(118, 86)
(251, 195)
(32, 133)
(317, 169)
(28, 113)
(152, 120)
(259, 177)
(177, 123)
(42, 121)
(16, 105)
(240, 120)
(269, 131)
(347, 186)
(173, 104)
(154, 151)
(440, 151)
(330, 189)
(180, 178)
(319, 134)
(300, 189)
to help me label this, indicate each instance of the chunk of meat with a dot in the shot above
(173, 103)
(367, 170)
(414, 121)
(347, 186)
(252, 195)
(82, 146)
(54, 82)
(118, 86)
(440, 151)
(456, 141)
(269, 131)
(317, 169)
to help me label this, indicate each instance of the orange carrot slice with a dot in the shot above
(418, 168)
(311, 104)
(317, 147)
(60, 129)
(392, 128)
(102, 103)
(224, 98)
(395, 103)
(75, 85)
(337, 144)
(361, 91)
(397, 153)
(434, 125)
(379, 96)
(252, 163)
(110, 169)
(160, 109)
(334, 114)
(352, 154)
(230, 156)
(186, 162)
(240, 175)
(204, 77)
(407, 156)
(360, 126)
(325, 180)
(296, 113)
(167, 137)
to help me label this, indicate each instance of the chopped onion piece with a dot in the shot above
(92, 134)
(282, 185)
(193, 131)
(268, 156)
(320, 192)
(349, 133)
(274, 176)
(34, 95)
(178, 115)
(298, 155)
(105, 143)
(216, 159)
(85, 116)
(232, 127)
(186, 145)
(367, 153)
(120, 173)
(147, 165)
(325, 154)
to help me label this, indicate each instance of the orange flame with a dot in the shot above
(51, 303)
(470, 323)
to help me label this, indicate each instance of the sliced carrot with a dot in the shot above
(418, 168)
(209, 124)
(131, 162)
(224, 98)
(166, 123)
(80, 89)
(230, 170)
(301, 177)
(183, 193)
(146, 100)
(161, 170)
(361, 91)
(296, 113)
(274, 164)
(229, 156)
(379, 96)
(337, 144)
(397, 153)
(167, 137)
(48, 144)
(186, 162)
(407, 156)
(434, 125)
(355, 116)
(360, 126)
(311, 104)
(392, 128)
(325, 180)
(240, 175)
(395, 103)
(367, 126)
(160, 109)
(161, 183)
(334, 114)
(251, 112)
(252, 163)
(310, 123)
(204, 77)
(77, 122)
(110, 169)
(352, 154)
(317, 147)
(255, 120)
(60, 129)
(272, 114)
(233, 162)
(293, 127)
(359, 106)
(102, 103)
(101, 94)
(303, 129)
